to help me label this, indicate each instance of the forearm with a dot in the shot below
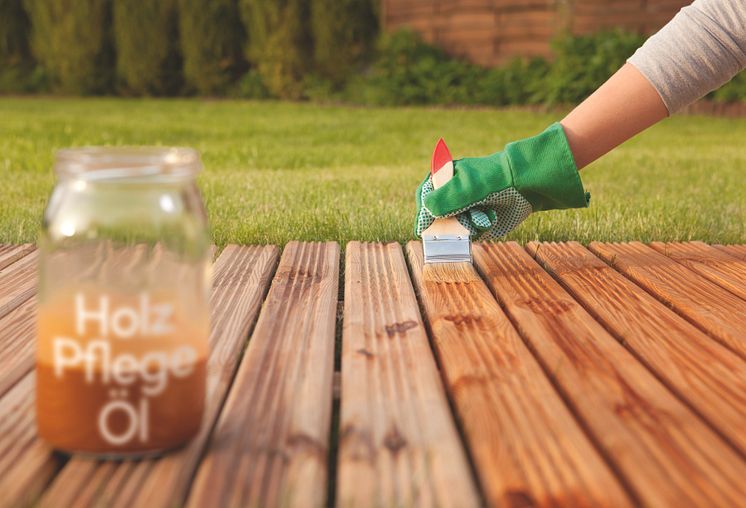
(703, 47)
(622, 107)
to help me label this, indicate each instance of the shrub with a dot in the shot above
(250, 86)
(583, 63)
(733, 91)
(212, 41)
(14, 26)
(343, 32)
(15, 54)
(408, 71)
(70, 39)
(279, 43)
(520, 81)
(146, 35)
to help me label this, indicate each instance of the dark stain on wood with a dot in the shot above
(358, 443)
(400, 328)
(519, 499)
(365, 353)
(394, 441)
(545, 307)
(306, 443)
(463, 320)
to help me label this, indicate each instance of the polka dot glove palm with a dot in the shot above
(492, 195)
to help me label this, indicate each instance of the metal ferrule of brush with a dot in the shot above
(446, 248)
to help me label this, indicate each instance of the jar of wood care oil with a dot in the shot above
(123, 316)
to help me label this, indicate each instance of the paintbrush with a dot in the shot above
(446, 240)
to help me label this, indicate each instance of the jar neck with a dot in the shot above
(128, 164)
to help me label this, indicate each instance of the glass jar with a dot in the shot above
(123, 316)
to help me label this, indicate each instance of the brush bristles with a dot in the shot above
(445, 273)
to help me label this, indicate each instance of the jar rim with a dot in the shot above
(127, 163)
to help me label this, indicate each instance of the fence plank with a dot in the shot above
(242, 275)
(708, 376)
(270, 446)
(718, 312)
(17, 282)
(709, 262)
(398, 442)
(666, 454)
(526, 445)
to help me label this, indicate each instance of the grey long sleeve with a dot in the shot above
(699, 50)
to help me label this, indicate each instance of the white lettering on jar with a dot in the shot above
(146, 319)
(95, 321)
(137, 421)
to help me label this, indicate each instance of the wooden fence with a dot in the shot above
(489, 31)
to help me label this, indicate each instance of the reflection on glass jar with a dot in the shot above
(124, 285)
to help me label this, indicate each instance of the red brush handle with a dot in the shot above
(441, 157)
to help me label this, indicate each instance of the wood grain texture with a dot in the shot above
(715, 310)
(242, 275)
(527, 447)
(9, 254)
(26, 464)
(17, 282)
(665, 453)
(17, 331)
(270, 446)
(712, 264)
(705, 374)
(399, 445)
(737, 251)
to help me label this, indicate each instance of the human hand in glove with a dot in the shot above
(492, 195)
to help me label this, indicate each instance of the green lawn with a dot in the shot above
(280, 171)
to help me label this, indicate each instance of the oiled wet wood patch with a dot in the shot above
(551, 374)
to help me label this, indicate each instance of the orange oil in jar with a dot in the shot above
(121, 373)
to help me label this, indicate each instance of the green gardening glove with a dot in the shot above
(492, 195)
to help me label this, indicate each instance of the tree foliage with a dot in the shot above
(343, 31)
(14, 26)
(146, 36)
(279, 43)
(212, 43)
(70, 39)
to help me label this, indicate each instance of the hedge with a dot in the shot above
(320, 50)
(146, 35)
(212, 44)
(15, 53)
(343, 33)
(279, 43)
(70, 39)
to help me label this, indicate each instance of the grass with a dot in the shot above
(280, 171)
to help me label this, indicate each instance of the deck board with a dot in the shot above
(717, 311)
(711, 263)
(705, 374)
(9, 254)
(17, 282)
(270, 446)
(737, 251)
(26, 464)
(659, 446)
(614, 377)
(512, 417)
(17, 329)
(399, 445)
(242, 275)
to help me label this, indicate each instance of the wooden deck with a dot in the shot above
(553, 374)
